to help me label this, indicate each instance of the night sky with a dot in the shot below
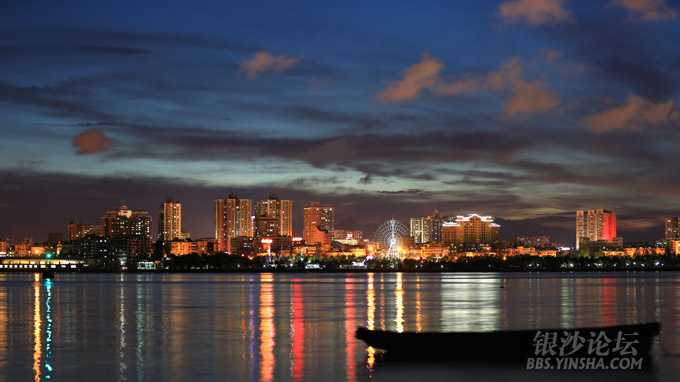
(524, 109)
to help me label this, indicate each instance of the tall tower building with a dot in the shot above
(672, 231)
(133, 226)
(420, 230)
(319, 223)
(426, 229)
(233, 218)
(275, 208)
(595, 225)
(170, 222)
(287, 218)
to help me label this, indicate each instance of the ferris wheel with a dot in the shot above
(391, 234)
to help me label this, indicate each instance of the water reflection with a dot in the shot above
(122, 344)
(43, 347)
(270, 327)
(267, 328)
(350, 327)
(370, 318)
(399, 301)
(470, 303)
(37, 329)
(297, 331)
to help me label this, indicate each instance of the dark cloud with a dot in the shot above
(55, 100)
(624, 53)
(114, 49)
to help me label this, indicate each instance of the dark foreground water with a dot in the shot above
(279, 327)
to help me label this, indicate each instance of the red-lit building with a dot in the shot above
(595, 226)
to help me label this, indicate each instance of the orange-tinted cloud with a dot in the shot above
(417, 77)
(530, 98)
(263, 62)
(91, 141)
(647, 10)
(635, 113)
(534, 12)
(526, 97)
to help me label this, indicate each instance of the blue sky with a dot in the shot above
(524, 109)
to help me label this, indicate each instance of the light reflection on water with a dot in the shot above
(271, 327)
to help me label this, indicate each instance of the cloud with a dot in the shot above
(623, 53)
(417, 77)
(91, 141)
(264, 61)
(635, 113)
(552, 55)
(463, 86)
(647, 10)
(527, 97)
(114, 49)
(534, 12)
(530, 98)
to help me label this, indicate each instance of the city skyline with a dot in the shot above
(229, 223)
(524, 110)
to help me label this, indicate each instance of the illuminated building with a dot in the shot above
(233, 218)
(672, 231)
(23, 249)
(131, 229)
(187, 247)
(675, 247)
(470, 229)
(78, 231)
(347, 237)
(92, 247)
(427, 251)
(319, 223)
(346, 234)
(170, 221)
(4, 248)
(595, 226)
(539, 241)
(243, 245)
(38, 250)
(275, 208)
(266, 226)
(419, 230)
(450, 232)
(426, 229)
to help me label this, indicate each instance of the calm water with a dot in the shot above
(278, 327)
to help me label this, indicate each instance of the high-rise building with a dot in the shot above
(426, 229)
(78, 231)
(420, 230)
(4, 247)
(319, 223)
(133, 227)
(470, 229)
(672, 228)
(287, 218)
(170, 221)
(233, 218)
(267, 227)
(275, 208)
(595, 225)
